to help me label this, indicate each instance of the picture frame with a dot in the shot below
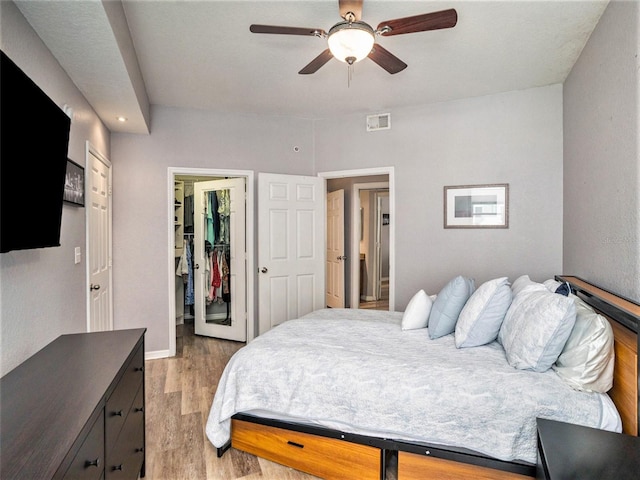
(74, 184)
(476, 206)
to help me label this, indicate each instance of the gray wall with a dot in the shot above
(513, 138)
(182, 138)
(42, 291)
(602, 155)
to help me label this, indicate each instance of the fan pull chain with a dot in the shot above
(349, 74)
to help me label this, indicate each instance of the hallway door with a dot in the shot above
(291, 247)
(99, 265)
(335, 249)
(212, 250)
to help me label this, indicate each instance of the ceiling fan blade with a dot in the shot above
(353, 6)
(419, 23)
(317, 62)
(314, 32)
(386, 59)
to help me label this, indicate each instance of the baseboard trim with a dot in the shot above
(157, 354)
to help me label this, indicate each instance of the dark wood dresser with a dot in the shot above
(76, 410)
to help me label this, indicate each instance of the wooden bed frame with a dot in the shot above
(333, 454)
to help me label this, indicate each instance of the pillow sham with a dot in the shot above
(536, 328)
(417, 312)
(448, 305)
(586, 361)
(482, 315)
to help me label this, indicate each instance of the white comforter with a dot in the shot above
(357, 371)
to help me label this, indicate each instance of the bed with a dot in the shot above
(337, 392)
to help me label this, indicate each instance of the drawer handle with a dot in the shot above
(117, 413)
(140, 450)
(139, 369)
(92, 463)
(138, 409)
(117, 467)
(294, 444)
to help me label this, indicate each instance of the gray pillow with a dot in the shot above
(536, 328)
(448, 305)
(482, 316)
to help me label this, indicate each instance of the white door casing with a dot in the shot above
(291, 236)
(237, 330)
(98, 251)
(335, 257)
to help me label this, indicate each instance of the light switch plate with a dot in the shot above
(78, 255)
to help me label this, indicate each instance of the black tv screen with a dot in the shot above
(34, 139)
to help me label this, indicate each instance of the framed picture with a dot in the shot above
(476, 206)
(74, 184)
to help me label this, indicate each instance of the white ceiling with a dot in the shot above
(200, 54)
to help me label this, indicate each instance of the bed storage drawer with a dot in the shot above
(413, 467)
(324, 457)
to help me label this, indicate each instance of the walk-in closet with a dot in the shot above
(209, 216)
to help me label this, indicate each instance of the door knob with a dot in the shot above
(264, 269)
(342, 257)
(197, 267)
(94, 287)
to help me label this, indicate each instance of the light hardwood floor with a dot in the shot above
(179, 392)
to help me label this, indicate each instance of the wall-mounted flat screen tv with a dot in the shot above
(34, 138)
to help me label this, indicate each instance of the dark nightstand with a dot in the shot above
(567, 451)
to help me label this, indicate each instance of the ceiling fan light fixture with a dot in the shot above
(351, 42)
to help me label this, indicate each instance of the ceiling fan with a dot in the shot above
(352, 40)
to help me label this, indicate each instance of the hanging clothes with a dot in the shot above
(216, 216)
(209, 233)
(189, 295)
(226, 276)
(182, 270)
(215, 277)
(224, 210)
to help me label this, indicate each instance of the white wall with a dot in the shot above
(513, 138)
(182, 138)
(42, 291)
(602, 155)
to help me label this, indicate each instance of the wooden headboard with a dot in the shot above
(624, 316)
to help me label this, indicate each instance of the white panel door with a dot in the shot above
(291, 219)
(100, 307)
(216, 317)
(335, 249)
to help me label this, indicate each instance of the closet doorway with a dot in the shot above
(211, 282)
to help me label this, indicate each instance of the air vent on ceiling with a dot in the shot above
(381, 121)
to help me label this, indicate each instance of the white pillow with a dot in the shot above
(524, 283)
(482, 315)
(536, 328)
(586, 362)
(552, 285)
(417, 313)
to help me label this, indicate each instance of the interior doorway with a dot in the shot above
(183, 227)
(377, 251)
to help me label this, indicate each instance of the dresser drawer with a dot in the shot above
(88, 464)
(321, 456)
(120, 401)
(127, 457)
